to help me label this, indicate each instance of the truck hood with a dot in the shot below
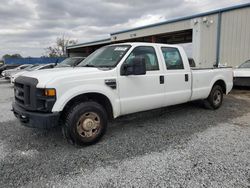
(49, 75)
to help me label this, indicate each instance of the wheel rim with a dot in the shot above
(217, 97)
(88, 125)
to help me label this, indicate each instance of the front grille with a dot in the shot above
(19, 93)
(18, 85)
(20, 101)
(25, 92)
(31, 98)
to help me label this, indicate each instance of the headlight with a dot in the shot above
(50, 92)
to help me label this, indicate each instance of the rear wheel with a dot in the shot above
(215, 98)
(85, 123)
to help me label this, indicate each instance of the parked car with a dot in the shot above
(113, 81)
(70, 62)
(28, 69)
(7, 67)
(8, 72)
(242, 74)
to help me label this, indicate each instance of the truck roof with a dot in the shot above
(145, 44)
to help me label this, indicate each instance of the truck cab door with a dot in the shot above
(141, 92)
(177, 75)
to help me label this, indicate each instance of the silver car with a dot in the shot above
(8, 72)
(242, 74)
(32, 68)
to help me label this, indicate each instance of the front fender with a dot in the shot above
(66, 96)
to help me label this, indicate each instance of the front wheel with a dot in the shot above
(215, 98)
(85, 123)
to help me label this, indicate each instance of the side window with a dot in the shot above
(172, 58)
(148, 53)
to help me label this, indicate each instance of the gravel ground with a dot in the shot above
(180, 146)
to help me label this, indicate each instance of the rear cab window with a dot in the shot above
(172, 58)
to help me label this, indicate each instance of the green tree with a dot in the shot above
(11, 56)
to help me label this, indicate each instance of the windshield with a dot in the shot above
(22, 67)
(107, 56)
(245, 65)
(70, 62)
(30, 68)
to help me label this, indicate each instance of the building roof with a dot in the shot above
(92, 43)
(108, 40)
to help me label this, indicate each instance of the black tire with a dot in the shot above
(76, 132)
(215, 98)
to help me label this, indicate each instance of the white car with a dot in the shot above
(6, 73)
(242, 74)
(114, 81)
(32, 68)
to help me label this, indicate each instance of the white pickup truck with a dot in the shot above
(113, 81)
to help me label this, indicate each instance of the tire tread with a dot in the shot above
(69, 115)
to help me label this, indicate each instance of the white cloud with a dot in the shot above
(28, 26)
(146, 20)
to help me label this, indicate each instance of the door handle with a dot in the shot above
(161, 79)
(186, 77)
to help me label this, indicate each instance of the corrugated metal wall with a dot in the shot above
(204, 40)
(209, 39)
(235, 37)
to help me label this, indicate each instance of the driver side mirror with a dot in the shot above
(136, 67)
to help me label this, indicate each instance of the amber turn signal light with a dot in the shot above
(50, 92)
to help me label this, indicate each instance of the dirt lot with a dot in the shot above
(181, 146)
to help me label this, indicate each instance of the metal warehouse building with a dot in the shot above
(218, 37)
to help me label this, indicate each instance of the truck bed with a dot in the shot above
(204, 78)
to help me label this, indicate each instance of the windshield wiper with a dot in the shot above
(63, 66)
(106, 66)
(88, 65)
